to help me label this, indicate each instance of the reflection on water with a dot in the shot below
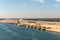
(12, 32)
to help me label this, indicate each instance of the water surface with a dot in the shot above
(13, 32)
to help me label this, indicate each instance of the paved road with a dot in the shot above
(13, 32)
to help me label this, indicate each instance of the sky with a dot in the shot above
(29, 8)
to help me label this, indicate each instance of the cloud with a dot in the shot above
(25, 4)
(56, 6)
(41, 1)
(57, 0)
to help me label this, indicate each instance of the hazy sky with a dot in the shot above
(29, 8)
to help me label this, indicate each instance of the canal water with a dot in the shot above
(13, 32)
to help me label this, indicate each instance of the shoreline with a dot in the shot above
(43, 25)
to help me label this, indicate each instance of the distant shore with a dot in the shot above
(53, 26)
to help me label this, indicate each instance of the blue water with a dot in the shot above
(13, 32)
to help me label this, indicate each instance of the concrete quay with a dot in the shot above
(40, 25)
